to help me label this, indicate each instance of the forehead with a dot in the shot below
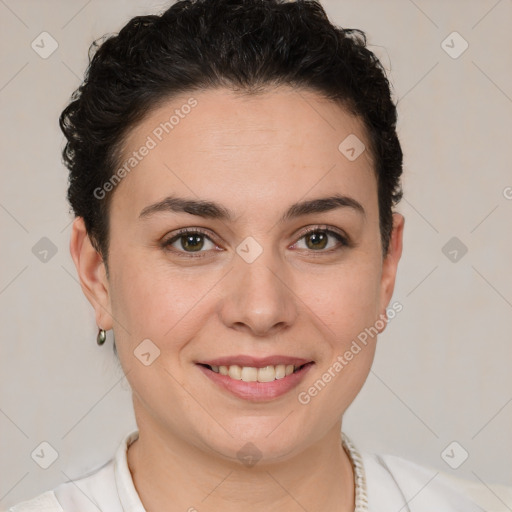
(268, 147)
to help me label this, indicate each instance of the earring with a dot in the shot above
(102, 336)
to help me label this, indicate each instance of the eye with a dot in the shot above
(189, 241)
(317, 239)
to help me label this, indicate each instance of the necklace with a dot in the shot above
(361, 498)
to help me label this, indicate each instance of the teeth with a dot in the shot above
(251, 374)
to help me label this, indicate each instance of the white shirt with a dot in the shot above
(392, 484)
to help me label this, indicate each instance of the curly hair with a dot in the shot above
(244, 45)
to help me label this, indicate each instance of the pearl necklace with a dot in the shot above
(361, 498)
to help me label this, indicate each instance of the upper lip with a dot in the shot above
(255, 362)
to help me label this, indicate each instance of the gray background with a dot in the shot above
(442, 368)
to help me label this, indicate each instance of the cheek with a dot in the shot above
(157, 300)
(345, 308)
(347, 298)
(346, 304)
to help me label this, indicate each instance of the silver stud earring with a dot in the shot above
(102, 336)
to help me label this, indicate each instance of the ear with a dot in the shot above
(91, 272)
(390, 265)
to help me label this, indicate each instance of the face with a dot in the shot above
(251, 279)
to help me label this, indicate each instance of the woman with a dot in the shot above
(233, 169)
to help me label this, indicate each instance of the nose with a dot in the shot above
(259, 298)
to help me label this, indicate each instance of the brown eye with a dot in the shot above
(189, 241)
(192, 242)
(318, 239)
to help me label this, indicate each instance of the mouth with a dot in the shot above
(259, 382)
(268, 373)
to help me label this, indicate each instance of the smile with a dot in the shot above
(256, 383)
(268, 373)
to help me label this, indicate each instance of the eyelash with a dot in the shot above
(343, 240)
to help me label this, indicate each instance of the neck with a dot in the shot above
(167, 470)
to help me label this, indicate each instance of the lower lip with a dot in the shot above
(257, 391)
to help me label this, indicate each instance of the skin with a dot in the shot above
(255, 156)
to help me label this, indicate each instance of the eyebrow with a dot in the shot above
(212, 210)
